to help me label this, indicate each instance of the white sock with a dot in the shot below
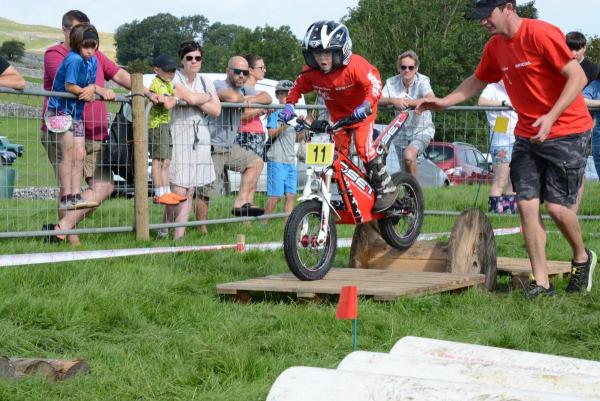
(158, 191)
(166, 190)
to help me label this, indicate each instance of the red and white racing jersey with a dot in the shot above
(343, 89)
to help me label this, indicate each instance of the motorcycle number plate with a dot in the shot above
(319, 154)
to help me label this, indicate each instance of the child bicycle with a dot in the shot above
(344, 196)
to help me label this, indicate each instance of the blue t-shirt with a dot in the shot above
(74, 70)
(592, 91)
(273, 119)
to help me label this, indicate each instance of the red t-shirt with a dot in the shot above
(530, 65)
(343, 89)
(95, 119)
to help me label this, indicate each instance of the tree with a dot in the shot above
(12, 50)
(593, 49)
(449, 46)
(158, 34)
(217, 42)
(279, 48)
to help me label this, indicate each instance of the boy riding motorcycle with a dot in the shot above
(349, 85)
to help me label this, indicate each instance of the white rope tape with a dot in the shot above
(57, 257)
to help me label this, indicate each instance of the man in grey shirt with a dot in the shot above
(226, 154)
(403, 91)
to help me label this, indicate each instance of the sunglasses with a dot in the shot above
(407, 67)
(190, 58)
(237, 71)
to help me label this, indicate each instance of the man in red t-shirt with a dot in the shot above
(349, 85)
(544, 84)
(95, 120)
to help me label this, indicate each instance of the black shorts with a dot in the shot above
(550, 171)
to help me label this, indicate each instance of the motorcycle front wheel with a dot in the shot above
(307, 259)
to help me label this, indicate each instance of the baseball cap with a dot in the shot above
(284, 85)
(165, 63)
(483, 8)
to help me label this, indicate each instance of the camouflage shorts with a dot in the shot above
(550, 171)
(252, 142)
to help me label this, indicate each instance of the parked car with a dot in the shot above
(7, 157)
(429, 174)
(462, 162)
(16, 148)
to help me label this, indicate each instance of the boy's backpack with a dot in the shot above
(118, 148)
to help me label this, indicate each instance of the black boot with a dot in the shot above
(381, 181)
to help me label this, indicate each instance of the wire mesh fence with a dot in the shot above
(212, 179)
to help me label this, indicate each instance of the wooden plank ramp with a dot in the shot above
(520, 270)
(382, 285)
(523, 266)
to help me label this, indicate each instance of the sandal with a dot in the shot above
(247, 210)
(53, 238)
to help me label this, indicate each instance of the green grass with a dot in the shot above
(34, 80)
(153, 328)
(39, 37)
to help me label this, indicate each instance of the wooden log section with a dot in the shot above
(6, 369)
(471, 249)
(33, 367)
(67, 369)
(50, 369)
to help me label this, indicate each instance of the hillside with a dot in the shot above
(38, 37)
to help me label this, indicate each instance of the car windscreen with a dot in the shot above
(440, 153)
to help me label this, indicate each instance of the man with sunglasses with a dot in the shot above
(544, 84)
(403, 91)
(226, 154)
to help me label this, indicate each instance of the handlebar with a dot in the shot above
(324, 126)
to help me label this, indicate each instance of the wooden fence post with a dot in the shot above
(140, 158)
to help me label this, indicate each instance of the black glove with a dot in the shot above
(320, 126)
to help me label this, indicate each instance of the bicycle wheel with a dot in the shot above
(305, 258)
(402, 226)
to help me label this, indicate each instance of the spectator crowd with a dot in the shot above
(194, 140)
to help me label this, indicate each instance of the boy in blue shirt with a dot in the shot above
(281, 169)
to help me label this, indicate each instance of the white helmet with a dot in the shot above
(327, 35)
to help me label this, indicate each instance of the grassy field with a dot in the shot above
(153, 328)
(38, 38)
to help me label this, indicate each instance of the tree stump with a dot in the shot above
(471, 250)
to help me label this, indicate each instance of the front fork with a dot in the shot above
(324, 198)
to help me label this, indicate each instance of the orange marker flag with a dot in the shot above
(348, 303)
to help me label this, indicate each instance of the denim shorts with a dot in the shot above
(281, 179)
(550, 171)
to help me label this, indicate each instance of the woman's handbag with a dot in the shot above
(58, 123)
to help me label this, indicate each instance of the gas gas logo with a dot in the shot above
(357, 179)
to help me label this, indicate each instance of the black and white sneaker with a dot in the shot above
(535, 290)
(582, 273)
